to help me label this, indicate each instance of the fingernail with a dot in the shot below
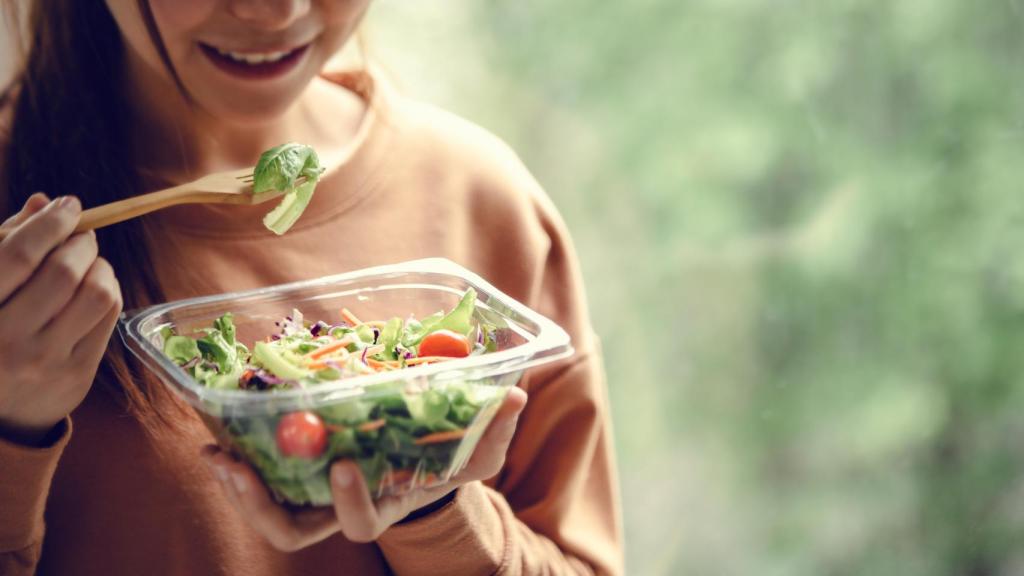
(221, 473)
(343, 476)
(69, 203)
(240, 484)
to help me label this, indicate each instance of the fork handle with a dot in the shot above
(121, 210)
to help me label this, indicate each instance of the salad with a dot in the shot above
(290, 168)
(402, 436)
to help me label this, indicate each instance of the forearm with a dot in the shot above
(477, 533)
(24, 487)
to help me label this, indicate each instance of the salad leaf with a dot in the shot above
(458, 320)
(224, 381)
(214, 346)
(180, 349)
(281, 218)
(390, 336)
(226, 325)
(352, 411)
(279, 169)
(429, 407)
(267, 356)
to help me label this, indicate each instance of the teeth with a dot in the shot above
(252, 57)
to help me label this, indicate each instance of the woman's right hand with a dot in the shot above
(59, 302)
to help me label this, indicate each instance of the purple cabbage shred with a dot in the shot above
(319, 328)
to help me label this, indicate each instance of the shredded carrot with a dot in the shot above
(334, 427)
(350, 317)
(389, 364)
(401, 476)
(246, 376)
(439, 437)
(323, 362)
(372, 425)
(323, 351)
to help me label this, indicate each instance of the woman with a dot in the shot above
(104, 472)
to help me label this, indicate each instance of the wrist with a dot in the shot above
(429, 509)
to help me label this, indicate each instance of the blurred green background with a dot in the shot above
(801, 225)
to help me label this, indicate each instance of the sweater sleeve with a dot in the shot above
(24, 486)
(559, 515)
(554, 508)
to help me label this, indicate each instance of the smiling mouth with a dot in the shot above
(255, 65)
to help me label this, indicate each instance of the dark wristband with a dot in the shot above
(429, 508)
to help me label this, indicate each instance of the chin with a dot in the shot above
(240, 93)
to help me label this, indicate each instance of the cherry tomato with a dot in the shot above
(445, 343)
(301, 434)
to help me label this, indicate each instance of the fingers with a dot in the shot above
(489, 455)
(88, 319)
(284, 530)
(89, 349)
(54, 284)
(360, 517)
(24, 249)
(35, 203)
(355, 513)
(353, 506)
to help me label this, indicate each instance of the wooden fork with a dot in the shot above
(220, 188)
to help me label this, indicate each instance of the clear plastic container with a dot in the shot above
(391, 457)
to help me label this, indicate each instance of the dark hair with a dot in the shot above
(69, 135)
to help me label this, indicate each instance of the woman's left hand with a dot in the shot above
(354, 513)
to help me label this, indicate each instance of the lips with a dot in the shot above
(254, 65)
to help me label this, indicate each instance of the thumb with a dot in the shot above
(35, 203)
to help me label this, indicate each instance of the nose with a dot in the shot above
(269, 14)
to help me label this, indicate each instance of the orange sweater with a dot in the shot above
(115, 500)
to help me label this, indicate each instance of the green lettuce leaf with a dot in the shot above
(226, 325)
(458, 320)
(279, 169)
(281, 218)
(277, 362)
(180, 349)
(389, 337)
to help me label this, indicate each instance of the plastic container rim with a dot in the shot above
(550, 343)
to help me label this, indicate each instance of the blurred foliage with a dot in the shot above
(801, 226)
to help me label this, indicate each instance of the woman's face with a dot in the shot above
(239, 60)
